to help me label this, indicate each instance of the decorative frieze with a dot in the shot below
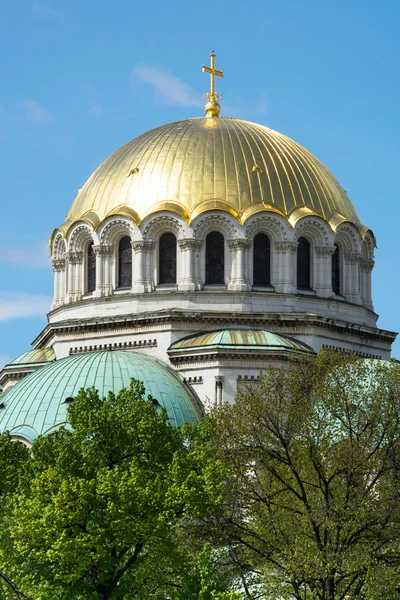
(115, 346)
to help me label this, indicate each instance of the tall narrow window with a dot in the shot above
(125, 263)
(215, 258)
(261, 260)
(336, 270)
(91, 269)
(303, 264)
(167, 258)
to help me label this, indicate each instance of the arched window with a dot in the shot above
(261, 260)
(125, 263)
(303, 264)
(336, 270)
(215, 258)
(167, 258)
(91, 269)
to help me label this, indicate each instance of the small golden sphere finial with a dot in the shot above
(212, 107)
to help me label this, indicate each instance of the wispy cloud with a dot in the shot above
(96, 111)
(43, 9)
(35, 113)
(17, 305)
(32, 257)
(168, 88)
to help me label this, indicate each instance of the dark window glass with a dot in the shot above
(215, 258)
(91, 269)
(125, 262)
(261, 260)
(303, 264)
(167, 258)
(336, 270)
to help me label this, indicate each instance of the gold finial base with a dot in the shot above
(212, 108)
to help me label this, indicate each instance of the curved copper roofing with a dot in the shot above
(238, 339)
(195, 165)
(36, 404)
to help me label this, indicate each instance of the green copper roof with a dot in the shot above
(34, 356)
(238, 339)
(36, 404)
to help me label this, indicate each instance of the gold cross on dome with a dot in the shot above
(213, 72)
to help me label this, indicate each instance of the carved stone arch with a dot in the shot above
(368, 246)
(79, 237)
(348, 238)
(159, 224)
(114, 229)
(214, 222)
(315, 230)
(270, 225)
(59, 247)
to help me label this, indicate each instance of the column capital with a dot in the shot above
(74, 257)
(290, 247)
(325, 250)
(353, 258)
(58, 264)
(219, 378)
(102, 250)
(190, 244)
(367, 265)
(142, 245)
(239, 243)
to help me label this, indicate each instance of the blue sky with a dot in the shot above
(80, 78)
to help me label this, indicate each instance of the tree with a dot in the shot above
(312, 480)
(97, 512)
(14, 458)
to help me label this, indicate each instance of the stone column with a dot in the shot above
(353, 283)
(74, 287)
(285, 282)
(238, 282)
(103, 279)
(188, 248)
(323, 271)
(58, 266)
(142, 280)
(219, 381)
(366, 267)
(78, 265)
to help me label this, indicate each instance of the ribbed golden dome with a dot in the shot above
(195, 165)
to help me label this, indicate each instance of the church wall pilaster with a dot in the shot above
(323, 271)
(238, 246)
(58, 266)
(142, 280)
(285, 275)
(352, 277)
(366, 267)
(188, 281)
(103, 276)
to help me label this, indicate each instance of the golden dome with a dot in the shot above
(192, 166)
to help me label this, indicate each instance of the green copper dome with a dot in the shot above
(238, 339)
(36, 404)
(34, 356)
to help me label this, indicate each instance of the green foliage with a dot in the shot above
(97, 509)
(313, 480)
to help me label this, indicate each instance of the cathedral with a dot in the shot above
(195, 256)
